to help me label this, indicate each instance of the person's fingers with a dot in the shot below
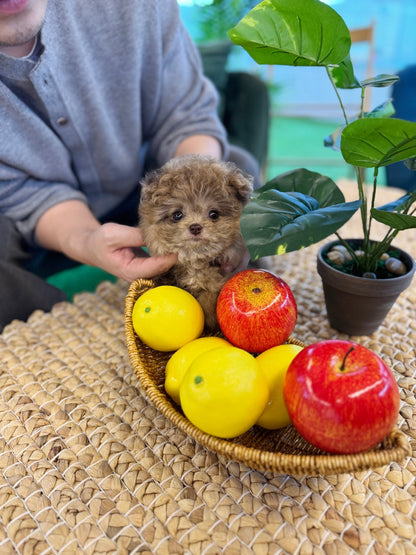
(150, 267)
(123, 235)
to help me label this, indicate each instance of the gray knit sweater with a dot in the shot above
(111, 77)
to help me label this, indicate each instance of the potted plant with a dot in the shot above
(213, 20)
(216, 17)
(300, 208)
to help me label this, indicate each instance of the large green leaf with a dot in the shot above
(303, 181)
(384, 110)
(393, 220)
(293, 32)
(375, 142)
(294, 211)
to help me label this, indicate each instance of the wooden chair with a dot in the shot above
(361, 35)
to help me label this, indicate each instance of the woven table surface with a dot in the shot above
(88, 465)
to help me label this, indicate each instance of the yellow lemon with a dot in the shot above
(224, 392)
(180, 361)
(274, 363)
(167, 317)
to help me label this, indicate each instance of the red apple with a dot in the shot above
(256, 310)
(341, 397)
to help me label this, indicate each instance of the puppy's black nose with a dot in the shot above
(195, 229)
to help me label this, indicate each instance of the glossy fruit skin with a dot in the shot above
(274, 364)
(224, 392)
(339, 410)
(181, 359)
(256, 310)
(167, 317)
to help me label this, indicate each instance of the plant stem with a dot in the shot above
(337, 93)
(373, 199)
(362, 102)
(358, 170)
(348, 247)
(363, 207)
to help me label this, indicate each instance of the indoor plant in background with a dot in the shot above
(216, 17)
(213, 19)
(299, 208)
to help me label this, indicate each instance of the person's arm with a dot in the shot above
(70, 227)
(199, 144)
(184, 104)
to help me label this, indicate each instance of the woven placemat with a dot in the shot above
(89, 465)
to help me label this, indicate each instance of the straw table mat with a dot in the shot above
(88, 465)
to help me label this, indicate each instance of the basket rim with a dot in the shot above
(254, 457)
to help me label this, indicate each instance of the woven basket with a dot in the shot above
(280, 451)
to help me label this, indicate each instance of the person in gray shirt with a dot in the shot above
(92, 95)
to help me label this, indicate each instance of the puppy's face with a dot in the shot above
(192, 206)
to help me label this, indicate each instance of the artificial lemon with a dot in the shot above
(224, 392)
(180, 361)
(274, 363)
(167, 317)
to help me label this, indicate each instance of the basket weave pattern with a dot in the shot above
(89, 465)
(277, 451)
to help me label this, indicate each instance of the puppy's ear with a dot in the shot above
(242, 183)
(149, 185)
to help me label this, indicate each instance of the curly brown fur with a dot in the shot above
(192, 206)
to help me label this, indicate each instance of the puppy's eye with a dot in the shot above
(213, 215)
(178, 215)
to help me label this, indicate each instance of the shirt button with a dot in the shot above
(62, 121)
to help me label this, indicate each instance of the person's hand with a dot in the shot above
(117, 249)
(71, 228)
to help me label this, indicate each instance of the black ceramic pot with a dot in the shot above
(357, 305)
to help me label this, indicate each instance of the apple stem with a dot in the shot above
(345, 358)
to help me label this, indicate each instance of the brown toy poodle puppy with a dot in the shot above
(192, 206)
